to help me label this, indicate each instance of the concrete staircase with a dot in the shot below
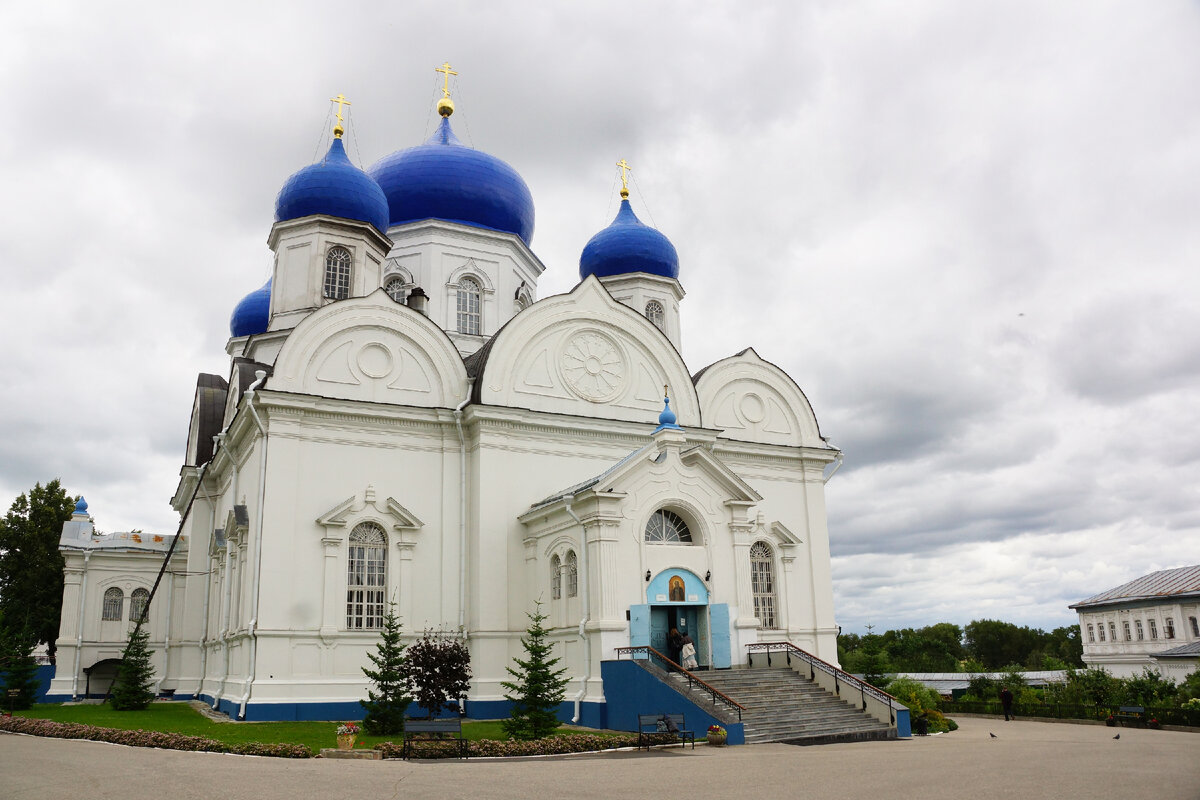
(784, 706)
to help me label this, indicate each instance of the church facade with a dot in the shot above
(405, 421)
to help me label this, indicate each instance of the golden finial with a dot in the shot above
(341, 100)
(445, 106)
(625, 168)
(666, 394)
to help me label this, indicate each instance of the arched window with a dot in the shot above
(366, 577)
(114, 599)
(572, 574)
(655, 313)
(468, 306)
(667, 526)
(762, 583)
(555, 578)
(137, 604)
(397, 289)
(337, 273)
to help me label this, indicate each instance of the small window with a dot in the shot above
(137, 604)
(1169, 627)
(655, 313)
(1102, 631)
(555, 578)
(572, 574)
(366, 577)
(1137, 626)
(114, 599)
(396, 289)
(337, 273)
(667, 527)
(1128, 635)
(468, 306)
(1153, 628)
(1091, 633)
(1195, 626)
(762, 583)
(1112, 630)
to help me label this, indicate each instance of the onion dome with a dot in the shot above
(252, 314)
(444, 179)
(666, 420)
(628, 245)
(81, 506)
(335, 187)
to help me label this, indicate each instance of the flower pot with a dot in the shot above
(346, 741)
(716, 739)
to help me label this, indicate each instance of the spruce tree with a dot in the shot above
(387, 703)
(538, 687)
(133, 689)
(19, 669)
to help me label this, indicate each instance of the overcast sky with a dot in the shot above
(968, 230)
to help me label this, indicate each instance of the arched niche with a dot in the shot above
(753, 400)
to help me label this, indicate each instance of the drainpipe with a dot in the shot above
(79, 627)
(837, 464)
(260, 376)
(462, 512)
(167, 634)
(584, 608)
(212, 515)
(227, 600)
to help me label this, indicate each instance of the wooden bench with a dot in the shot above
(430, 732)
(653, 726)
(1134, 714)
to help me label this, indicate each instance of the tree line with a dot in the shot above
(985, 645)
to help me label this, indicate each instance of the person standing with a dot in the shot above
(1006, 700)
(687, 653)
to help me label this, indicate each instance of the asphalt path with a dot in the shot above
(1025, 760)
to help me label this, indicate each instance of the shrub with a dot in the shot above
(139, 738)
(551, 745)
(921, 701)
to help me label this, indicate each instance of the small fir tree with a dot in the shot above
(133, 689)
(439, 670)
(19, 669)
(538, 687)
(387, 703)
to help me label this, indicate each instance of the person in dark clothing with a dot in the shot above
(674, 642)
(1006, 700)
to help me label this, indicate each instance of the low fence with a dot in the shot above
(1165, 716)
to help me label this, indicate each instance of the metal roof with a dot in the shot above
(1183, 651)
(1164, 583)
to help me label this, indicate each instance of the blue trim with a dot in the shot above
(631, 690)
(54, 698)
(691, 585)
(44, 674)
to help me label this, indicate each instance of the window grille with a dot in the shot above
(1153, 628)
(667, 526)
(397, 289)
(1137, 626)
(572, 575)
(114, 599)
(555, 578)
(366, 577)
(137, 604)
(337, 273)
(655, 313)
(468, 306)
(762, 583)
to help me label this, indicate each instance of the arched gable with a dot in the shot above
(753, 400)
(372, 349)
(584, 353)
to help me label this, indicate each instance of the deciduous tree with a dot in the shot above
(439, 670)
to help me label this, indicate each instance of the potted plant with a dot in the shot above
(717, 735)
(1110, 722)
(1155, 724)
(346, 734)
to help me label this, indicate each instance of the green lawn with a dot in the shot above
(182, 718)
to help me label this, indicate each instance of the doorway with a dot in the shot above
(688, 620)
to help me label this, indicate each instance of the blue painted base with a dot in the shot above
(631, 690)
(592, 714)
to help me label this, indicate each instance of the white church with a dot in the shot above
(404, 420)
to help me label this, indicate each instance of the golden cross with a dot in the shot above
(666, 394)
(341, 101)
(447, 72)
(625, 168)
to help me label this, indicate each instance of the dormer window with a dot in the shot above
(337, 273)
(655, 313)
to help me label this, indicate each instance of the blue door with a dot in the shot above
(639, 626)
(659, 624)
(718, 620)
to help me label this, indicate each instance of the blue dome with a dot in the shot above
(628, 245)
(252, 314)
(444, 179)
(667, 418)
(335, 187)
(81, 506)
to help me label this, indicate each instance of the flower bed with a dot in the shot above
(140, 738)
(551, 745)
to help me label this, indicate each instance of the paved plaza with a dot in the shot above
(1026, 760)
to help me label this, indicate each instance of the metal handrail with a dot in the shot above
(693, 681)
(839, 676)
